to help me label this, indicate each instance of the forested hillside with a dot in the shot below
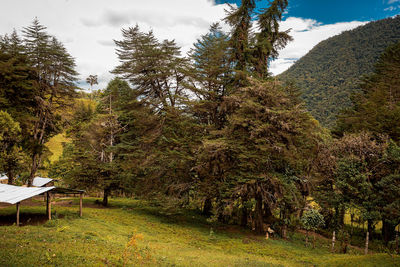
(330, 73)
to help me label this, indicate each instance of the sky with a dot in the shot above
(88, 27)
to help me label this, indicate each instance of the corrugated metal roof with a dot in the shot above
(39, 181)
(13, 194)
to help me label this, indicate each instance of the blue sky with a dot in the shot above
(333, 11)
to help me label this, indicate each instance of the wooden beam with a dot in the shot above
(48, 205)
(80, 204)
(18, 213)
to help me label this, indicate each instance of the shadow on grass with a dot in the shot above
(181, 217)
(25, 218)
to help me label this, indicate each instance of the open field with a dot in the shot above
(132, 232)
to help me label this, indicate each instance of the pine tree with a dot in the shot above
(154, 69)
(55, 86)
(210, 76)
(269, 40)
(240, 19)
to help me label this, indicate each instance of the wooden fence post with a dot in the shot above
(18, 213)
(80, 204)
(333, 241)
(366, 243)
(48, 205)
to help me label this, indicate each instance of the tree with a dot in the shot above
(209, 76)
(260, 154)
(11, 155)
(240, 19)
(92, 80)
(311, 221)
(377, 108)
(154, 69)
(350, 174)
(269, 40)
(252, 52)
(54, 83)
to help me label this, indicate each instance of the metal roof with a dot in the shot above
(39, 181)
(13, 194)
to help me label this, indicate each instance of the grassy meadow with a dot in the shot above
(134, 233)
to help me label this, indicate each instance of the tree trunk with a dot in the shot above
(207, 207)
(35, 165)
(243, 218)
(284, 231)
(258, 216)
(370, 229)
(306, 238)
(313, 243)
(268, 214)
(388, 231)
(105, 196)
(333, 241)
(11, 177)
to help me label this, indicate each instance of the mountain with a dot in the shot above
(330, 73)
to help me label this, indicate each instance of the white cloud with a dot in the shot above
(393, 1)
(306, 34)
(88, 27)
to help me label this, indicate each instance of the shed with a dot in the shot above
(12, 194)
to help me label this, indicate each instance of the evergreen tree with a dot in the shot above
(240, 19)
(210, 76)
(155, 69)
(54, 83)
(269, 40)
(260, 154)
(377, 109)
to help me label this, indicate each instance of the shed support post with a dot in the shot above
(18, 213)
(80, 204)
(48, 205)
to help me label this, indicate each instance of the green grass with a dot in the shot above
(162, 238)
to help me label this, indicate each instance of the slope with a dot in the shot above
(330, 73)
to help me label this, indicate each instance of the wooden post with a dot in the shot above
(48, 205)
(18, 213)
(80, 204)
(333, 241)
(366, 244)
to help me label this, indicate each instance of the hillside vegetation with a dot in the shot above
(330, 73)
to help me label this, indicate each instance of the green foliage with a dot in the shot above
(312, 220)
(252, 52)
(154, 69)
(12, 158)
(330, 73)
(37, 84)
(377, 108)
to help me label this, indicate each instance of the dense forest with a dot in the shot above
(330, 73)
(213, 130)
